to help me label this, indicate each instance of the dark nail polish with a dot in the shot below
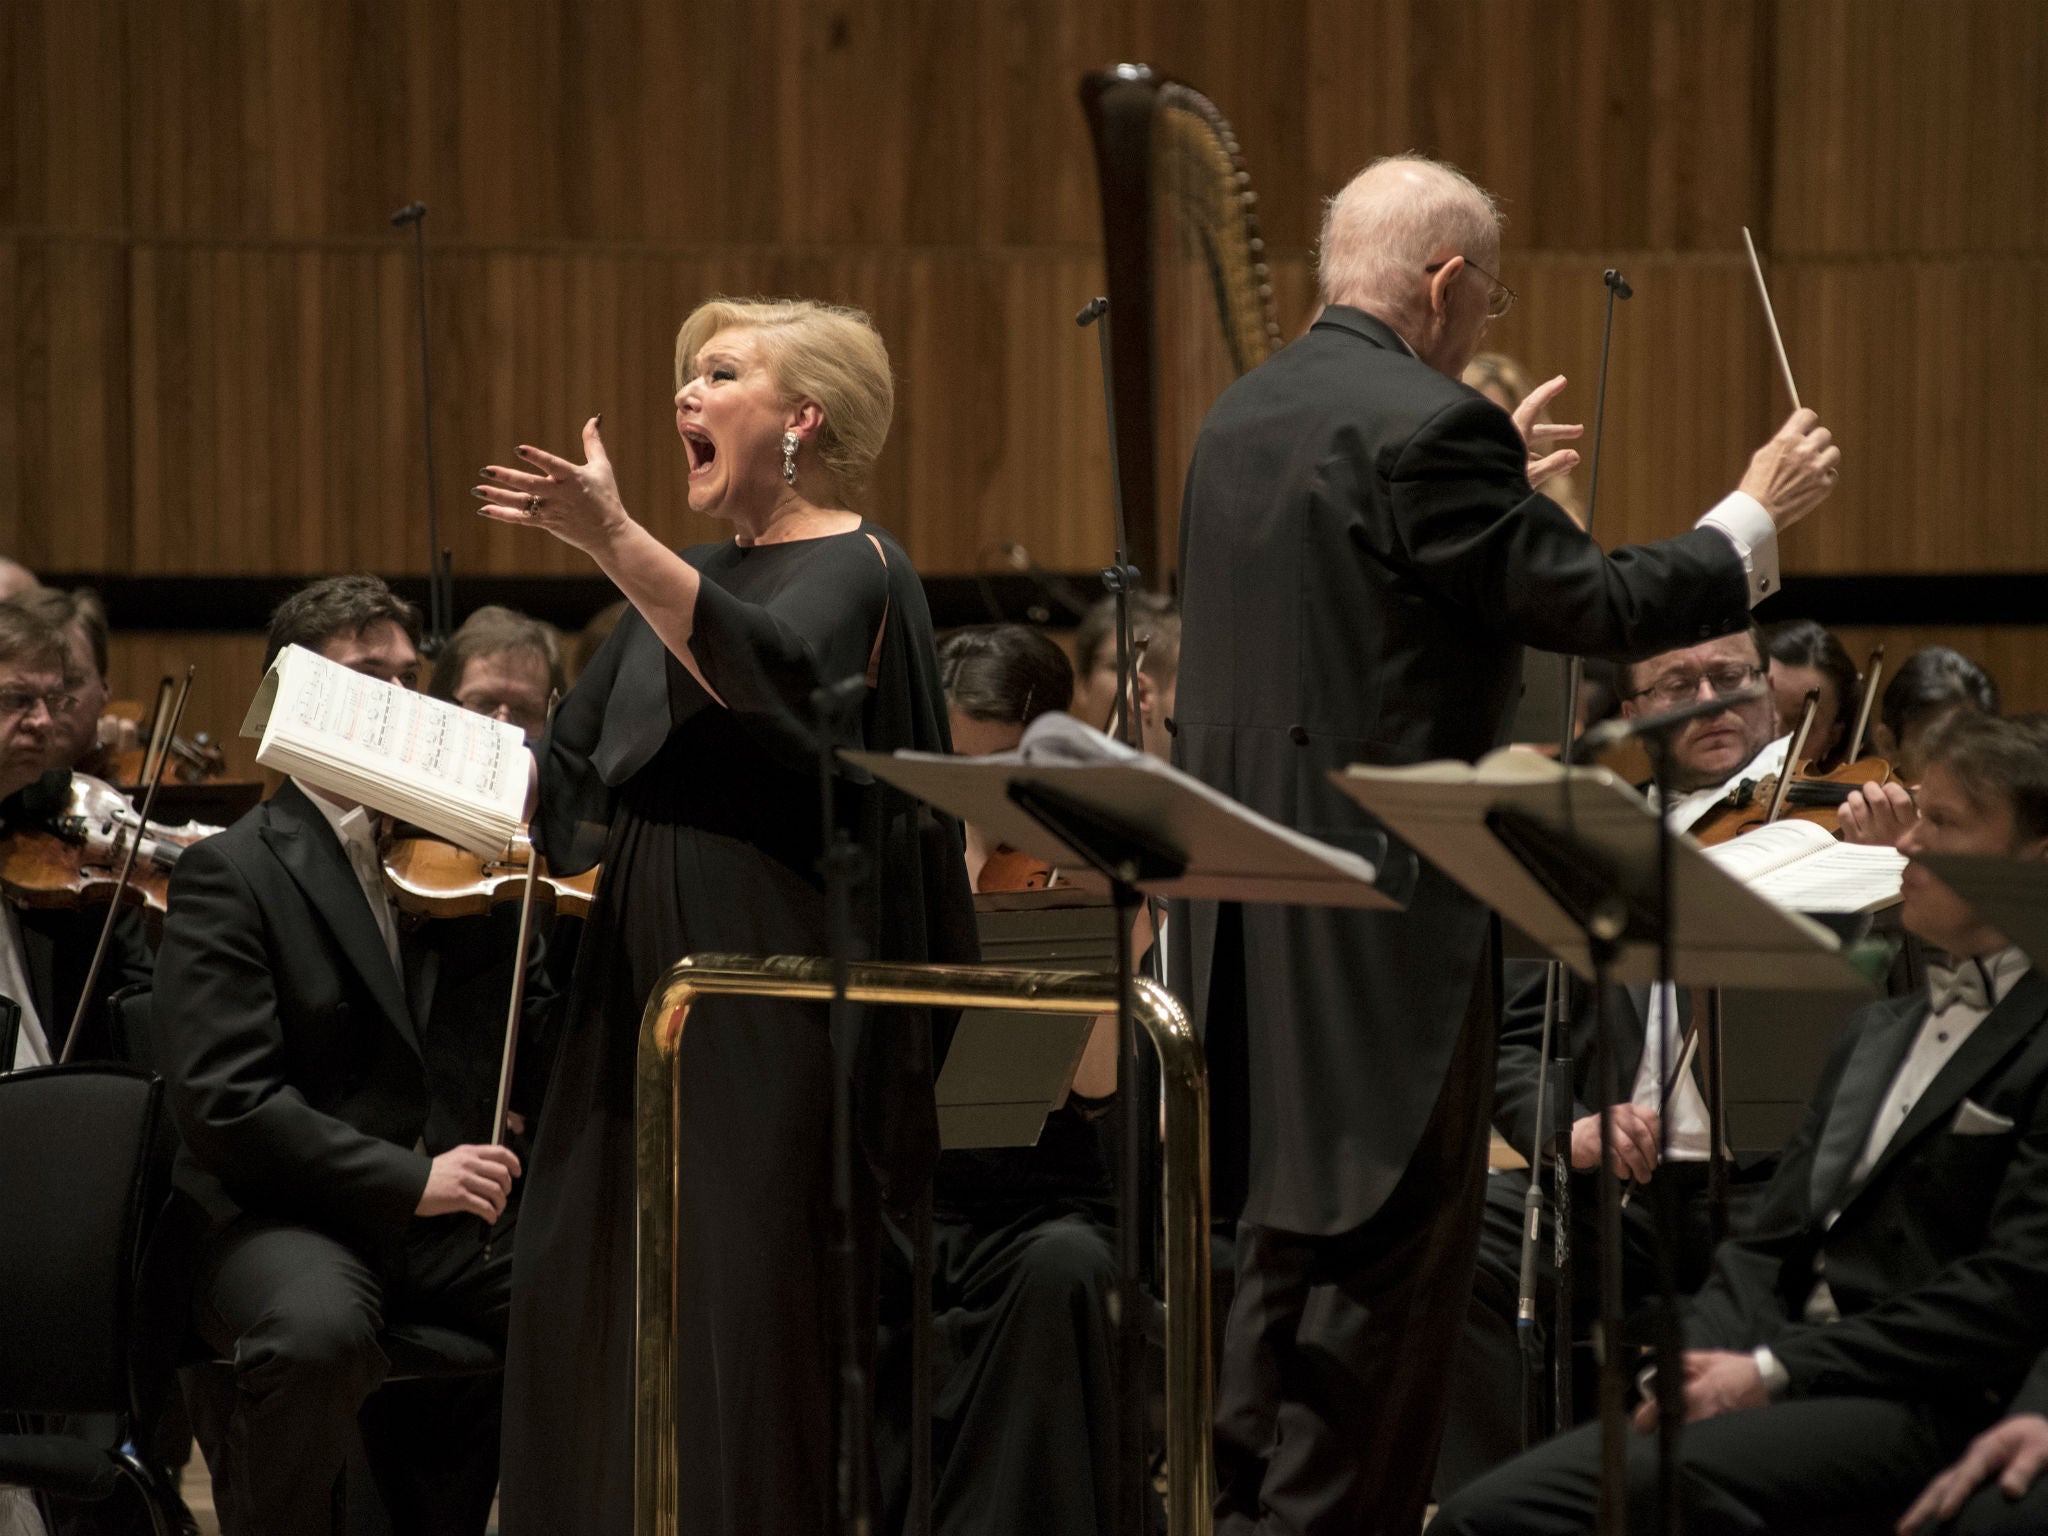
(477, 491)
(600, 421)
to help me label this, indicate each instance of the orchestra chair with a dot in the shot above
(83, 1175)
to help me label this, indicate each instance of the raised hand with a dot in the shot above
(1796, 470)
(578, 503)
(1540, 437)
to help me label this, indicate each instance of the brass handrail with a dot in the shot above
(1190, 1468)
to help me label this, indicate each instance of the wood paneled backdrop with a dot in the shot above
(207, 348)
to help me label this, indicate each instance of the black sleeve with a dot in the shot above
(224, 1052)
(1959, 1330)
(1473, 530)
(765, 660)
(2033, 1393)
(1516, 1113)
(1743, 1303)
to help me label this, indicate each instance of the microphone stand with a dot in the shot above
(843, 865)
(1121, 578)
(1555, 1050)
(440, 562)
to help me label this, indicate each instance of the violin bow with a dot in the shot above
(154, 762)
(1871, 674)
(518, 1001)
(1793, 754)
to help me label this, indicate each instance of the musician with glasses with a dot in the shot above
(1701, 759)
(1364, 554)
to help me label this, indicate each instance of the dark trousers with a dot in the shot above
(1839, 1466)
(1485, 1427)
(1334, 1376)
(1990, 1513)
(298, 1313)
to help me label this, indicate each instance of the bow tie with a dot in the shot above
(1966, 984)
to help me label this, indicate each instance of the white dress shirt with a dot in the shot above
(32, 1046)
(1685, 1130)
(1941, 1035)
(357, 829)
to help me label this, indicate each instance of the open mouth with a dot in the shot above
(702, 451)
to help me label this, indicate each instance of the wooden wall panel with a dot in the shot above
(1905, 126)
(1934, 377)
(207, 357)
(2015, 655)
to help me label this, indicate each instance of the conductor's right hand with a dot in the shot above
(1633, 1153)
(1796, 470)
(475, 1180)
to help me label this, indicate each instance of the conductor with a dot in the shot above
(1353, 483)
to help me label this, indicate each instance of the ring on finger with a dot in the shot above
(532, 504)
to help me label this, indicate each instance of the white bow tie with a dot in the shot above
(1966, 984)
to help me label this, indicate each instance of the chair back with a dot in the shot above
(82, 1176)
(131, 1028)
(10, 1033)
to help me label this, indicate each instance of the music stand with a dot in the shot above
(1140, 828)
(1586, 869)
(2009, 894)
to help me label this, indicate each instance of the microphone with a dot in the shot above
(1608, 732)
(1618, 283)
(411, 213)
(1092, 311)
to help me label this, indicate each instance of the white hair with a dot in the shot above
(1390, 220)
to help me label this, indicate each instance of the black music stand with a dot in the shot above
(2009, 894)
(1586, 869)
(1139, 828)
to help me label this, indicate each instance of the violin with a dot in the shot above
(68, 850)
(1805, 793)
(194, 760)
(431, 877)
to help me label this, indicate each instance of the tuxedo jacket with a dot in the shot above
(1362, 561)
(305, 1071)
(1938, 1261)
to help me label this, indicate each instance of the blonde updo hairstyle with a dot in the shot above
(822, 352)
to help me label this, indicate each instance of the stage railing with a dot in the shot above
(1184, 1180)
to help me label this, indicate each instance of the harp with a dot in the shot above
(1191, 304)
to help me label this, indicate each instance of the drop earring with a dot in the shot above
(789, 442)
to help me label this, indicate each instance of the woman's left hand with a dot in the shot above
(578, 503)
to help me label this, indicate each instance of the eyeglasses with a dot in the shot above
(19, 701)
(1678, 687)
(1500, 298)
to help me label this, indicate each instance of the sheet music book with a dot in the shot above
(461, 775)
(1800, 866)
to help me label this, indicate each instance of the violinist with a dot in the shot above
(1804, 657)
(502, 664)
(87, 737)
(1934, 685)
(1704, 757)
(45, 953)
(304, 1031)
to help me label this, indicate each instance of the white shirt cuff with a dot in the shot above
(1777, 1380)
(1741, 519)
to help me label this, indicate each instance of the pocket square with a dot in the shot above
(1973, 1119)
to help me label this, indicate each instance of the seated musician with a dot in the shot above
(1995, 1488)
(1158, 680)
(1702, 758)
(1932, 684)
(1893, 1288)
(340, 1192)
(1095, 651)
(502, 664)
(87, 737)
(1805, 656)
(45, 952)
(1023, 1238)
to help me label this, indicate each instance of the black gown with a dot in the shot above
(706, 821)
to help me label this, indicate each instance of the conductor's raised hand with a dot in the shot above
(578, 503)
(471, 1179)
(1540, 437)
(1796, 470)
